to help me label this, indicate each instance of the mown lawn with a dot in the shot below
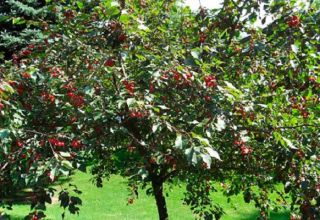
(110, 203)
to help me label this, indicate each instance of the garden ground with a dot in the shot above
(110, 203)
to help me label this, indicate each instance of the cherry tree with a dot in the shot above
(161, 95)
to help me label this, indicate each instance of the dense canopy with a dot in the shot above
(160, 94)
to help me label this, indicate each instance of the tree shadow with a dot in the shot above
(283, 215)
(18, 217)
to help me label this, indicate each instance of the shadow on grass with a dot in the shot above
(20, 217)
(273, 215)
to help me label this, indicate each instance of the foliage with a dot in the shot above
(20, 23)
(152, 91)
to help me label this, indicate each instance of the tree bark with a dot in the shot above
(160, 200)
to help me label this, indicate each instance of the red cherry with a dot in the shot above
(20, 89)
(69, 14)
(76, 100)
(151, 87)
(245, 150)
(60, 144)
(210, 81)
(20, 144)
(305, 114)
(131, 148)
(122, 37)
(164, 76)
(129, 87)
(176, 76)
(42, 143)
(109, 63)
(1, 106)
(152, 160)
(294, 21)
(207, 98)
(31, 46)
(312, 79)
(164, 98)
(204, 165)
(189, 75)
(15, 59)
(202, 38)
(237, 143)
(25, 52)
(26, 75)
(55, 72)
(76, 144)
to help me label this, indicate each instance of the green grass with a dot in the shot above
(110, 203)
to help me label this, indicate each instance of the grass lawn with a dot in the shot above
(110, 203)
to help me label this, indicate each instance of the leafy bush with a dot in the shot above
(159, 94)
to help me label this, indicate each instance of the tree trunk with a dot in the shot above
(160, 199)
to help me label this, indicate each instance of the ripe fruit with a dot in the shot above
(48, 97)
(136, 114)
(151, 87)
(152, 160)
(294, 21)
(207, 98)
(55, 72)
(76, 144)
(56, 142)
(210, 81)
(129, 86)
(237, 142)
(131, 148)
(245, 150)
(1, 106)
(69, 14)
(26, 75)
(20, 144)
(202, 38)
(189, 76)
(176, 76)
(76, 100)
(109, 63)
(305, 114)
(122, 37)
(25, 52)
(312, 79)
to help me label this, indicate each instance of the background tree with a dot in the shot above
(159, 94)
(20, 23)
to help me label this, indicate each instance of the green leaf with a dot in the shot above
(207, 159)
(221, 124)
(8, 88)
(213, 153)
(202, 140)
(155, 127)
(289, 143)
(64, 154)
(124, 18)
(18, 21)
(195, 54)
(178, 143)
(4, 133)
(131, 102)
(143, 173)
(80, 5)
(67, 164)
